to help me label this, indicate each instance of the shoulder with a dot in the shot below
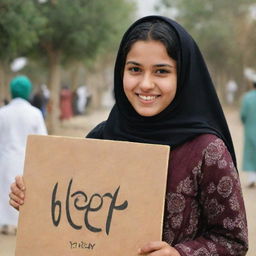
(210, 142)
(216, 159)
(201, 143)
(249, 95)
(6, 111)
(212, 148)
(207, 158)
(3, 109)
(204, 140)
(204, 150)
(97, 132)
(216, 153)
(34, 111)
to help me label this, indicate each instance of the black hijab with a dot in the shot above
(195, 109)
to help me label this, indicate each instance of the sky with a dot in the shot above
(145, 7)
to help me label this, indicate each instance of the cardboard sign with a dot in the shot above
(91, 197)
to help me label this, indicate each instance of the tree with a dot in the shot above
(19, 24)
(76, 30)
(221, 29)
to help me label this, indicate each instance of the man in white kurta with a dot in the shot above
(18, 119)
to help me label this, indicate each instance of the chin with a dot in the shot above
(147, 113)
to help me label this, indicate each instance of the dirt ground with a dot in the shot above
(79, 126)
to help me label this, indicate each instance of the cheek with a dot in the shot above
(169, 90)
(128, 83)
(169, 87)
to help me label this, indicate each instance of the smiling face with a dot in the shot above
(150, 77)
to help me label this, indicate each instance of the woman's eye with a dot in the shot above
(134, 69)
(162, 71)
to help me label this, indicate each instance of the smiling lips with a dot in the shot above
(147, 98)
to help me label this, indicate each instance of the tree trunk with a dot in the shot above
(221, 88)
(2, 84)
(4, 79)
(241, 83)
(54, 86)
(75, 76)
(94, 82)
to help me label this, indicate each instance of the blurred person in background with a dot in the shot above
(83, 100)
(66, 96)
(38, 100)
(46, 96)
(4, 102)
(18, 119)
(231, 89)
(248, 117)
(41, 98)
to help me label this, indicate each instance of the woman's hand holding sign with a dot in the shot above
(17, 194)
(158, 248)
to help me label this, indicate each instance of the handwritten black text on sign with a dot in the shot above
(56, 205)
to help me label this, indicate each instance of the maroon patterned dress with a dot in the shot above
(204, 213)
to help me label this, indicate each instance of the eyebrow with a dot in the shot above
(156, 65)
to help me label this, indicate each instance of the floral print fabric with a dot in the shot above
(204, 212)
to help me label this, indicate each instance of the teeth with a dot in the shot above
(147, 97)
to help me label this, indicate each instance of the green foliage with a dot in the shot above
(79, 29)
(219, 27)
(117, 16)
(19, 26)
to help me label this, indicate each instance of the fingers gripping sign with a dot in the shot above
(17, 193)
(158, 248)
(20, 182)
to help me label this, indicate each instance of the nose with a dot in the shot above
(146, 83)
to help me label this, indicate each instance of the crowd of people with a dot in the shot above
(74, 103)
(163, 95)
(71, 103)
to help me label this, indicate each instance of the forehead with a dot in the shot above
(150, 51)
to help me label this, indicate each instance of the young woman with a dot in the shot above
(164, 95)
